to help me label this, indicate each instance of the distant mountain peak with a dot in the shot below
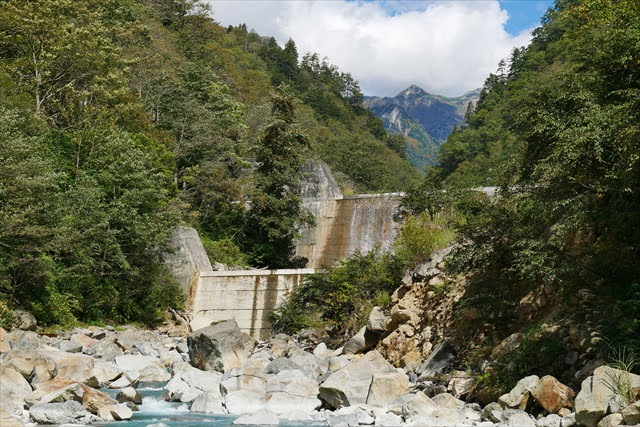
(425, 119)
(413, 90)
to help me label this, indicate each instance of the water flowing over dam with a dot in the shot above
(344, 224)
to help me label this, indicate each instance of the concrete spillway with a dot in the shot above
(344, 224)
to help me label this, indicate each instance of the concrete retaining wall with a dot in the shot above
(246, 296)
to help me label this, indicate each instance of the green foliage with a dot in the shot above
(121, 119)
(6, 317)
(339, 301)
(276, 211)
(420, 236)
(224, 251)
(557, 129)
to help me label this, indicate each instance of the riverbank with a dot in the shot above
(218, 375)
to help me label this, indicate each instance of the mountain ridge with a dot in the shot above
(425, 119)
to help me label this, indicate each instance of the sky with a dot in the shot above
(445, 47)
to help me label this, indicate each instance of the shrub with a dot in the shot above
(224, 251)
(339, 300)
(420, 236)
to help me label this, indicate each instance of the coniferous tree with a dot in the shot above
(276, 211)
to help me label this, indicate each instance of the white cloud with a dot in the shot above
(444, 47)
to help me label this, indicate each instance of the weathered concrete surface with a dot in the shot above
(246, 296)
(344, 224)
(188, 260)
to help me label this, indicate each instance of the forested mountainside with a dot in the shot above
(426, 120)
(558, 129)
(122, 118)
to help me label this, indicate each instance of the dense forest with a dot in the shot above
(557, 128)
(120, 119)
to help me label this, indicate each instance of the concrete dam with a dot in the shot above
(343, 225)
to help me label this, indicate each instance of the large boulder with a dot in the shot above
(437, 362)
(115, 413)
(24, 320)
(14, 389)
(218, 347)
(207, 403)
(600, 394)
(244, 401)
(70, 412)
(261, 417)
(44, 369)
(387, 387)
(290, 390)
(362, 341)
(518, 397)
(204, 381)
(553, 395)
(418, 404)
(78, 368)
(377, 321)
(311, 365)
(237, 379)
(350, 385)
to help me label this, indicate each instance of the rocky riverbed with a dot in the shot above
(218, 375)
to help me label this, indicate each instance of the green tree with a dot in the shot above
(276, 212)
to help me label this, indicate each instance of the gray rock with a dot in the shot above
(568, 421)
(127, 339)
(129, 394)
(519, 396)
(388, 419)
(350, 385)
(445, 400)
(362, 341)
(236, 379)
(551, 420)
(310, 364)
(291, 390)
(517, 418)
(611, 420)
(418, 404)
(70, 346)
(61, 413)
(208, 404)
(218, 347)
(24, 320)
(115, 413)
(281, 364)
(387, 387)
(631, 414)
(347, 420)
(437, 362)
(377, 321)
(135, 362)
(244, 401)
(599, 394)
(260, 417)
(13, 391)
